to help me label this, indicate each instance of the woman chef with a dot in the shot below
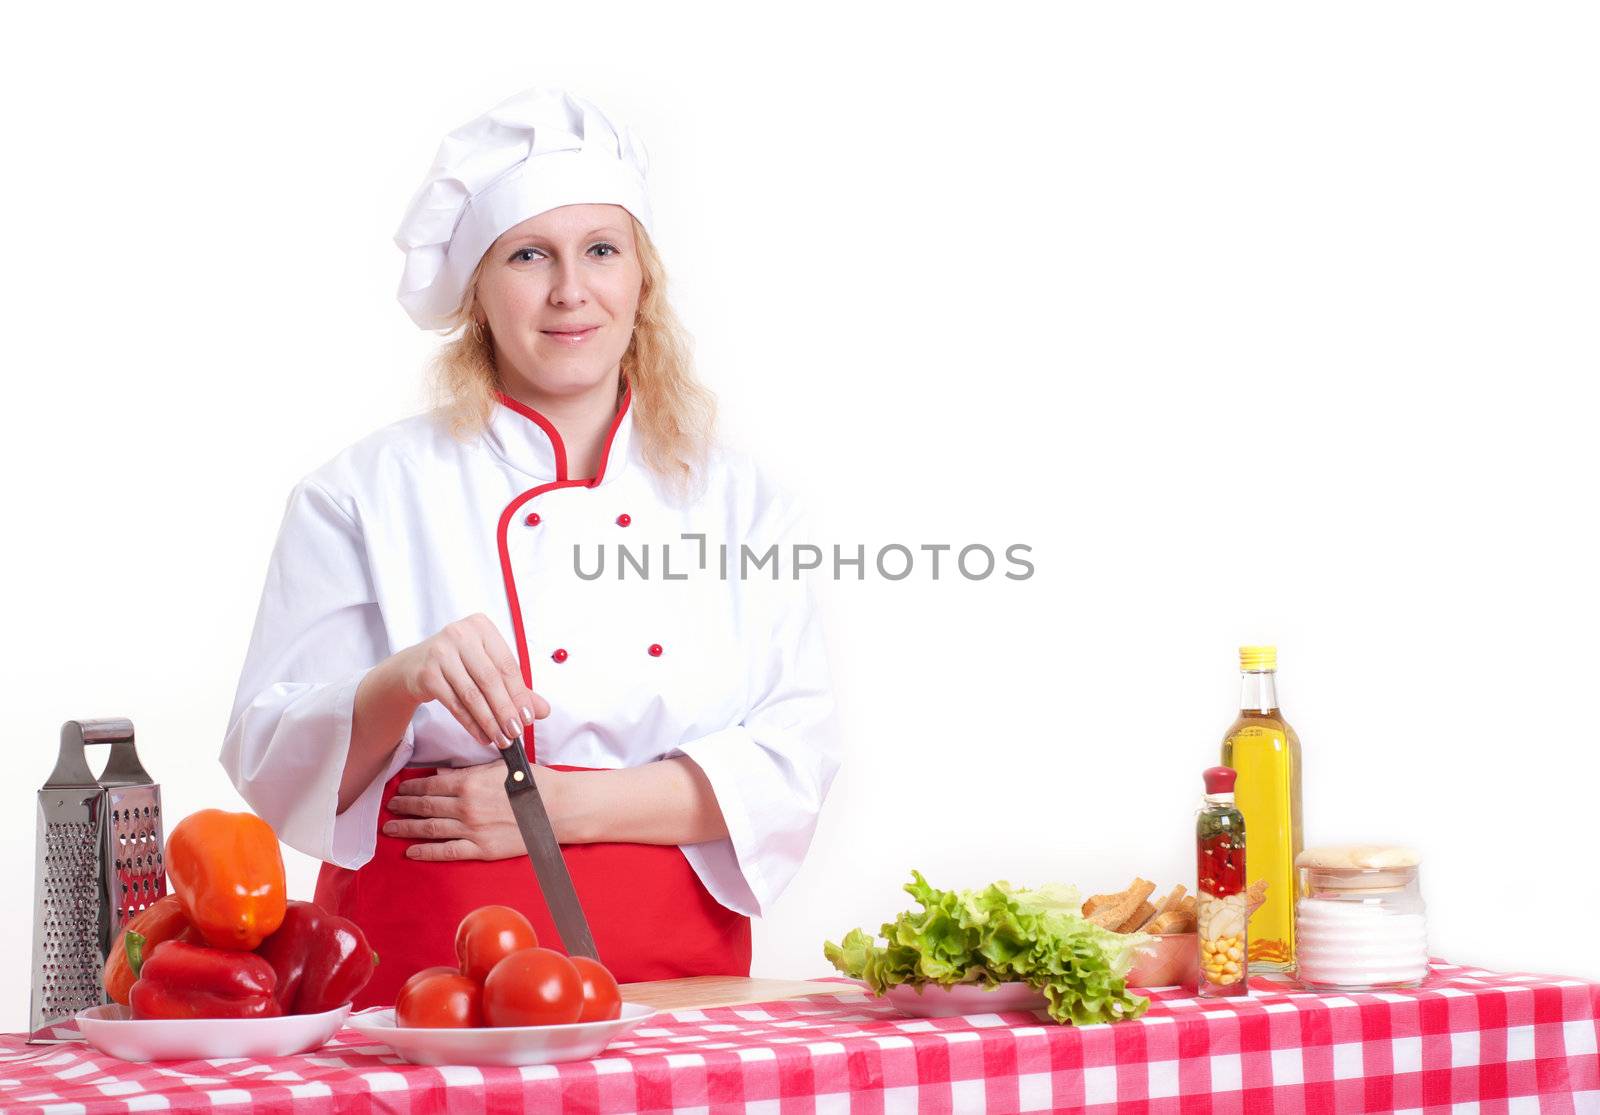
(424, 601)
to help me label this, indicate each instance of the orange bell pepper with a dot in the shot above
(227, 871)
(162, 920)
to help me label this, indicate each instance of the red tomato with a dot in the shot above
(422, 974)
(488, 935)
(447, 1000)
(602, 999)
(533, 987)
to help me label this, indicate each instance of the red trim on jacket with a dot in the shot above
(554, 435)
(510, 512)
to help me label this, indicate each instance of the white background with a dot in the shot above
(1260, 324)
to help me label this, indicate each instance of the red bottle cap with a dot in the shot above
(1219, 780)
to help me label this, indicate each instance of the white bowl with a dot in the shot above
(935, 1001)
(499, 1045)
(114, 1031)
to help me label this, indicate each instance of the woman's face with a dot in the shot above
(559, 294)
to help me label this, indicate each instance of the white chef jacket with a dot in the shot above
(400, 534)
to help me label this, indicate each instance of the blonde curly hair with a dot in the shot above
(674, 415)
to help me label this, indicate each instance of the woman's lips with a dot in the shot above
(571, 338)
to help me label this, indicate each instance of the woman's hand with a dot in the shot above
(468, 669)
(464, 813)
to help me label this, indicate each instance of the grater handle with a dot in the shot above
(112, 729)
(122, 768)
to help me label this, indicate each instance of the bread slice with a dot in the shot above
(1173, 921)
(1096, 902)
(1170, 902)
(1256, 894)
(1116, 912)
(1174, 914)
(1143, 914)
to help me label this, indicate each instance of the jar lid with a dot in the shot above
(1358, 857)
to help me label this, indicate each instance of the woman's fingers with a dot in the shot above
(468, 668)
(492, 684)
(529, 705)
(436, 687)
(427, 828)
(416, 805)
(445, 851)
(540, 707)
(447, 782)
(462, 813)
(472, 699)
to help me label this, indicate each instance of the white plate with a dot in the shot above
(499, 1045)
(933, 1001)
(113, 1031)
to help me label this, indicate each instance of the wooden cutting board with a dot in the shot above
(694, 992)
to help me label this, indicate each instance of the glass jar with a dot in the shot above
(1224, 904)
(1360, 923)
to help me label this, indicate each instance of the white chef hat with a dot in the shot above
(538, 150)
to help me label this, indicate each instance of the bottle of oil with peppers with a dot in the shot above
(1265, 751)
(1221, 908)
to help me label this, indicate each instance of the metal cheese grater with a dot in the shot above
(100, 861)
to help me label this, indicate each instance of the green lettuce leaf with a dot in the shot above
(1001, 934)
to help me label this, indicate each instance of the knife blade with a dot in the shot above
(545, 852)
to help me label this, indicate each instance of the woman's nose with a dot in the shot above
(568, 289)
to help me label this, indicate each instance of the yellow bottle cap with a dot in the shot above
(1256, 659)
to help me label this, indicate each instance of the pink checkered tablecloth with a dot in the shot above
(1468, 1040)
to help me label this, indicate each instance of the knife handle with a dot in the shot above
(519, 774)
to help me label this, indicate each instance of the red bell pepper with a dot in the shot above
(180, 980)
(321, 961)
(162, 920)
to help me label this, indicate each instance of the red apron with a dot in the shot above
(650, 915)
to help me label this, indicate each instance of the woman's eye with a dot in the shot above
(528, 255)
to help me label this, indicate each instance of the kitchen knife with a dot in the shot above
(545, 853)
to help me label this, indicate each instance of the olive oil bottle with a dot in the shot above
(1265, 751)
